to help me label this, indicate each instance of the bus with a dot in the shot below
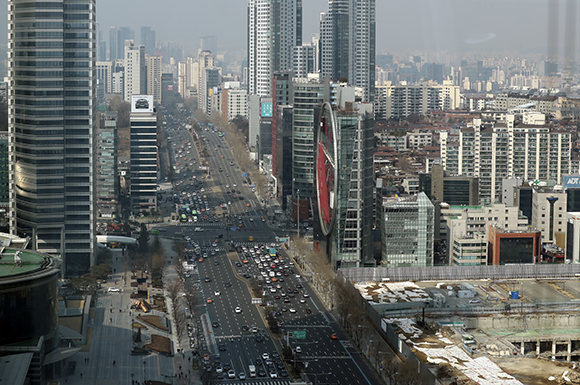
(183, 218)
(272, 252)
(220, 134)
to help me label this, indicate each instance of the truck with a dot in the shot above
(252, 370)
(251, 239)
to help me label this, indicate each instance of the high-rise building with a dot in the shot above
(274, 29)
(344, 182)
(234, 101)
(208, 43)
(498, 150)
(117, 37)
(154, 77)
(166, 87)
(210, 78)
(303, 60)
(347, 44)
(143, 154)
(135, 71)
(51, 123)
(107, 186)
(104, 79)
(148, 40)
(408, 231)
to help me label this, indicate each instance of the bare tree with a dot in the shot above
(179, 269)
(390, 369)
(207, 378)
(192, 300)
(174, 288)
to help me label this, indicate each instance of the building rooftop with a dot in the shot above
(15, 262)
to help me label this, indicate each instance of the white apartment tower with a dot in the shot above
(154, 77)
(135, 70)
(494, 151)
(274, 29)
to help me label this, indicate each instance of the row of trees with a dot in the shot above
(342, 297)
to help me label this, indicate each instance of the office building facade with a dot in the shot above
(148, 40)
(274, 29)
(51, 124)
(347, 41)
(154, 77)
(106, 177)
(143, 155)
(408, 232)
(344, 182)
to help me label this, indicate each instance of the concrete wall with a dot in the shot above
(530, 321)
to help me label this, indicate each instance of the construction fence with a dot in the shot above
(456, 273)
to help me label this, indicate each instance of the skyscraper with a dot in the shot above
(51, 123)
(148, 40)
(143, 154)
(347, 40)
(274, 29)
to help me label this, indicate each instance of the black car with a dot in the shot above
(207, 279)
(261, 373)
(259, 339)
(308, 311)
(245, 328)
(258, 362)
(228, 284)
(215, 324)
(223, 347)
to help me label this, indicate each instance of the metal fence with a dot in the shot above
(445, 273)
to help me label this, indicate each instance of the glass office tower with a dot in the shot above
(51, 118)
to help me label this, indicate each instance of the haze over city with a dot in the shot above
(290, 192)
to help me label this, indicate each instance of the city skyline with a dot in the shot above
(448, 26)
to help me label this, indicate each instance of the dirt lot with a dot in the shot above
(534, 371)
(159, 344)
(153, 320)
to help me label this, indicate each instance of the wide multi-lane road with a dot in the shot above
(233, 328)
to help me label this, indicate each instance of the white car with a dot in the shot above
(231, 374)
(113, 290)
(298, 349)
(238, 309)
(217, 292)
(265, 356)
(292, 310)
(273, 374)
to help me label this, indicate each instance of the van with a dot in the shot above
(252, 370)
(198, 229)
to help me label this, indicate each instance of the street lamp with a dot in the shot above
(298, 212)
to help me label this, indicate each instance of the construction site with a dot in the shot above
(509, 331)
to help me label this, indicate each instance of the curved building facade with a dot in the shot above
(29, 307)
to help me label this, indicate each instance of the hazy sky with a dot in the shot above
(402, 25)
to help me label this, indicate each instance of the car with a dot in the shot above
(215, 324)
(207, 279)
(238, 309)
(113, 290)
(283, 373)
(308, 311)
(302, 300)
(298, 349)
(242, 376)
(292, 310)
(238, 264)
(254, 329)
(217, 292)
(209, 300)
(218, 369)
(245, 328)
(305, 295)
(273, 373)
(266, 356)
(284, 309)
(231, 374)
(333, 336)
(259, 338)
(258, 361)
(261, 372)
(228, 284)
(223, 347)
(474, 301)
(275, 355)
(277, 297)
(299, 286)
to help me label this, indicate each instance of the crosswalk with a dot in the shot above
(265, 382)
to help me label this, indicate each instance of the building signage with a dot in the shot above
(267, 110)
(572, 181)
(142, 103)
(326, 158)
